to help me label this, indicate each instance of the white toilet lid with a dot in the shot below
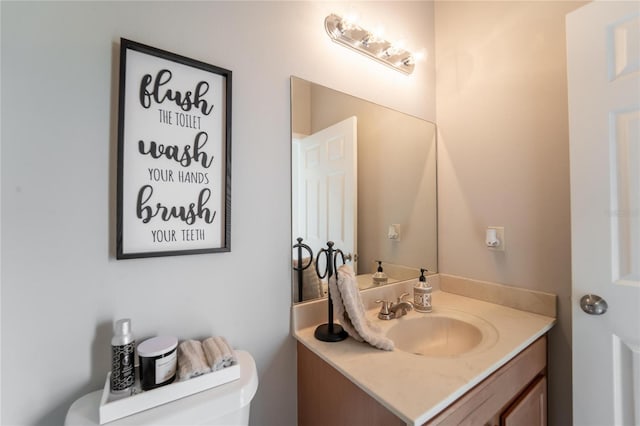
(194, 409)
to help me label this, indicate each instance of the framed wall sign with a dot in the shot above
(174, 154)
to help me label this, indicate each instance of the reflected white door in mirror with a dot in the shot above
(324, 184)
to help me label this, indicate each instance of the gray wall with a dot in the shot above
(61, 286)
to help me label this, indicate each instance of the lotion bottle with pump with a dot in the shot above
(422, 294)
(122, 358)
(379, 278)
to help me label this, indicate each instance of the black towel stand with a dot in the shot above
(299, 268)
(330, 332)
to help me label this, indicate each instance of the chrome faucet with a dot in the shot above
(402, 306)
(389, 310)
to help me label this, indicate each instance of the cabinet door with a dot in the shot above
(530, 409)
(326, 397)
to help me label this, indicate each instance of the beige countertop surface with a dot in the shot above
(417, 387)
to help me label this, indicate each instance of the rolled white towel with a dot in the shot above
(213, 354)
(228, 355)
(192, 361)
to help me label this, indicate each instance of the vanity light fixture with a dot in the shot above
(357, 38)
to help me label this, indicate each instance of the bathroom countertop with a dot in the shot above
(415, 387)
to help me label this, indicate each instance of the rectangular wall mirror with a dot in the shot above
(364, 177)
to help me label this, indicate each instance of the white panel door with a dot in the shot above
(603, 65)
(327, 188)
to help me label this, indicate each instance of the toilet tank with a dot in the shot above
(227, 404)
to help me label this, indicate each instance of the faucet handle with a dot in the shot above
(384, 313)
(384, 309)
(402, 296)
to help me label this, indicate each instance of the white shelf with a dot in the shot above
(115, 408)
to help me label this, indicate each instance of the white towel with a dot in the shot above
(191, 360)
(228, 356)
(218, 352)
(339, 311)
(350, 310)
(311, 284)
(213, 354)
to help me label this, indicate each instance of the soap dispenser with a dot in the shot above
(379, 278)
(422, 294)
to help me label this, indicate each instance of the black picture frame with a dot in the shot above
(174, 155)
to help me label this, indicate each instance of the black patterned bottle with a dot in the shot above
(122, 358)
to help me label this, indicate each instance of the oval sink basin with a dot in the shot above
(435, 336)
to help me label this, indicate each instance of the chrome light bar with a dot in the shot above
(357, 38)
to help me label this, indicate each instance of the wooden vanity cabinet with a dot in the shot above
(507, 396)
(513, 395)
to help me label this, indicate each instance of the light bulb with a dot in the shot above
(420, 56)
